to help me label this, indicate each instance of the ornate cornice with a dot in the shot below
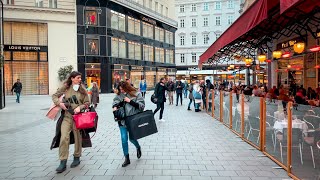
(37, 9)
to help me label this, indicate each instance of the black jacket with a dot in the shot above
(160, 93)
(179, 87)
(17, 87)
(86, 141)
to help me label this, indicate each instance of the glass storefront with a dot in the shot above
(93, 71)
(161, 72)
(150, 77)
(26, 57)
(120, 73)
(136, 75)
(291, 71)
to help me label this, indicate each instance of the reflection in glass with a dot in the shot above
(93, 46)
(91, 18)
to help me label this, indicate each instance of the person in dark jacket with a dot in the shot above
(160, 94)
(17, 87)
(179, 89)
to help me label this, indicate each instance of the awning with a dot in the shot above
(261, 23)
(256, 13)
(286, 4)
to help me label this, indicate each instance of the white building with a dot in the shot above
(200, 24)
(39, 37)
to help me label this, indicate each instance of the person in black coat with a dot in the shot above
(179, 89)
(160, 95)
(17, 87)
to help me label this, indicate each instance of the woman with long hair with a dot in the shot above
(95, 94)
(133, 103)
(75, 100)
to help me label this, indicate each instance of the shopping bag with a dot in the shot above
(141, 125)
(85, 120)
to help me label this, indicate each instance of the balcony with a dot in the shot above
(146, 11)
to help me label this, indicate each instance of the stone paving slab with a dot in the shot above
(188, 146)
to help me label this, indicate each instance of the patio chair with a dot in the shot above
(318, 145)
(254, 125)
(296, 141)
(270, 123)
(310, 141)
(312, 121)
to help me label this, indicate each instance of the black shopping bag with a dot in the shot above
(141, 125)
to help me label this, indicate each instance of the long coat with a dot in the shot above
(86, 141)
(160, 93)
(95, 95)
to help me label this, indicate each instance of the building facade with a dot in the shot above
(39, 38)
(120, 39)
(200, 24)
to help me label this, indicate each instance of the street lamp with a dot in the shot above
(2, 84)
(99, 11)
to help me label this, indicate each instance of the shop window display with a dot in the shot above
(120, 73)
(91, 18)
(150, 78)
(93, 46)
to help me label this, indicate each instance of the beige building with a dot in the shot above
(40, 37)
(162, 7)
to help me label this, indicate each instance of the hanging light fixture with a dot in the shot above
(268, 61)
(231, 66)
(317, 67)
(276, 54)
(286, 55)
(315, 48)
(262, 58)
(289, 66)
(299, 47)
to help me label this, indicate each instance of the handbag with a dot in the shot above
(119, 114)
(85, 120)
(141, 125)
(154, 100)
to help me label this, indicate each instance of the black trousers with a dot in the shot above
(143, 94)
(160, 106)
(179, 95)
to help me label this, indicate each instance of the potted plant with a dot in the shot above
(64, 72)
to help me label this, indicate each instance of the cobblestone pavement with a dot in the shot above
(189, 146)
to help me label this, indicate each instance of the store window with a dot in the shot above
(93, 71)
(159, 55)
(150, 74)
(159, 34)
(120, 73)
(134, 50)
(148, 30)
(92, 46)
(161, 73)
(136, 75)
(118, 48)
(118, 21)
(148, 53)
(91, 17)
(133, 26)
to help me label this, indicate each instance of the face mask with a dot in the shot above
(76, 87)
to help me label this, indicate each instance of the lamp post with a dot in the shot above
(2, 84)
(85, 34)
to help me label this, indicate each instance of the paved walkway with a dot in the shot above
(189, 146)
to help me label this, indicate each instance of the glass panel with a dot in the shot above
(24, 33)
(157, 34)
(150, 31)
(137, 27)
(7, 33)
(8, 77)
(43, 34)
(252, 119)
(93, 46)
(25, 56)
(131, 50)
(43, 56)
(131, 25)
(115, 47)
(122, 25)
(150, 79)
(226, 108)
(236, 111)
(275, 133)
(119, 75)
(122, 46)
(114, 20)
(305, 139)
(145, 30)
(151, 58)
(27, 72)
(43, 78)
(161, 35)
(138, 51)
(160, 74)
(7, 55)
(167, 37)
(217, 104)
(171, 57)
(135, 77)
(167, 56)
(157, 54)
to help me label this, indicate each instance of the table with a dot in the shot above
(279, 125)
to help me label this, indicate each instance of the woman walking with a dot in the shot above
(143, 88)
(133, 103)
(160, 94)
(95, 94)
(75, 100)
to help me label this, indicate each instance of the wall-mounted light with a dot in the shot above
(315, 48)
(276, 54)
(262, 58)
(286, 55)
(299, 47)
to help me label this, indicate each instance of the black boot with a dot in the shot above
(126, 161)
(76, 162)
(139, 153)
(62, 167)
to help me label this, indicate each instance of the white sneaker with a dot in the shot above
(162, 120)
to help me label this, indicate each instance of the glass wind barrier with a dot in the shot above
(276, 130)
(217, 105)
(209, 102)
(305, 155)
(226, 108)
(252, 119)
(236, 112)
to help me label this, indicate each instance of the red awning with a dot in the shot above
(256, 13)
(286, 4)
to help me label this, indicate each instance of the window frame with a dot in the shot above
(218, 19)
(182, 58)
(182, 40)
(218, 5)
(181, 23)
(205, 21)
(205, 6)
(205, 38)
(193, 22)
(230, 4)
(97, 39)
(181, 8)
(193, 8)
(193, 39)
(193, 57)
(39, 3)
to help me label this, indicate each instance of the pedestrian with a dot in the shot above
(133, 103)
(75, 101)
(17, 87)
(185, 89)
(160, 94)
(170, 89)
(95, 94)
(179, 89)
(191, 99)
(197, 95)
(204, 93)
(143, 87)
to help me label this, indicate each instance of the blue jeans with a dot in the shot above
(185, 92)
(18, 97)
(124, 139)
(194, 104)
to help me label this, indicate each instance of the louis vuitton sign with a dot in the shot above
(25, 48)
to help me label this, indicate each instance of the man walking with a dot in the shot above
(17, 87)
(179, 88)
(170, 89)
